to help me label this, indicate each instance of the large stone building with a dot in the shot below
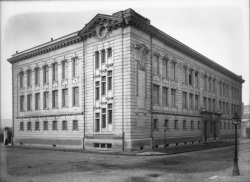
(120, 83)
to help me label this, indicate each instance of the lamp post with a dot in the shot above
(236, 171)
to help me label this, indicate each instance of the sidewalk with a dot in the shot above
(152, 152)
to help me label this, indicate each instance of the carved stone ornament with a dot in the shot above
(141, 55)
(101, 31)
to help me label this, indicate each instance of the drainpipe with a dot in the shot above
(12, 138)
(151, 88)
(84, 95)
(123, 134)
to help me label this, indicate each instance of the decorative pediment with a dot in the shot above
(100, 25)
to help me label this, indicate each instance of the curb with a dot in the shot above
(182, 149)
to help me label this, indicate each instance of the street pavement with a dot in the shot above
(36, 165)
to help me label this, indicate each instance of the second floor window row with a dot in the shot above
(33, 76)
(49, 98)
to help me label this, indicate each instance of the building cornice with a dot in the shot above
(136, 20)
(45, 48)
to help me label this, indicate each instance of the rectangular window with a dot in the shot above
(156, 98)
(64, 69)
(156, 65)
(55, 99)
(196, 79)
(184, 125)
(109, 52)
(64, 125)
(37, 76)
(165, 96)
(103, 118)
(172, 73)
(21, 126)
(29, 126)
(220, 88)
(37, 101)
(166, 124)
(224, 89)
(28, 78)
(109, 80)
(103, 85)
(155, 122)
(220, 106)
(54, 125)
(21, 79)
(74, 67)
(46, 74)
(22, 103)
(209, 84)
(103, 56)
(176, 124)
(192, 125)
(205, 103)
(214, 105)
(97, 61)
(75, 125)
(184, 100)
(46, 100)
(196, 102)
(198, 125)
(205, 83)
(109, 113)
(37, 126)
(190, 77)
(65, 98)
(224, 108)
(191, 101)
(173, 97)
(165, 68)
(97, 90)
(97, 122)
(54, 72)
(75, 96)
(29, 102)
(45, 125)
(185, 75)
(214, 86)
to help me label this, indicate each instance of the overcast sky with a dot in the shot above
(218, 29)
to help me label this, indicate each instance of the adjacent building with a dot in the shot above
(120, 83)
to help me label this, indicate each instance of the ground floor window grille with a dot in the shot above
(64, 125)
(37, 127)
(54, 125)
(45, 125)
(75, 125)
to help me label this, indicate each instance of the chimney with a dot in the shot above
(51, 39)
(16, 52)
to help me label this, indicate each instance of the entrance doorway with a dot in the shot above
(205, 130)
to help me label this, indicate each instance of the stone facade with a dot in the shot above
(128, 86)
